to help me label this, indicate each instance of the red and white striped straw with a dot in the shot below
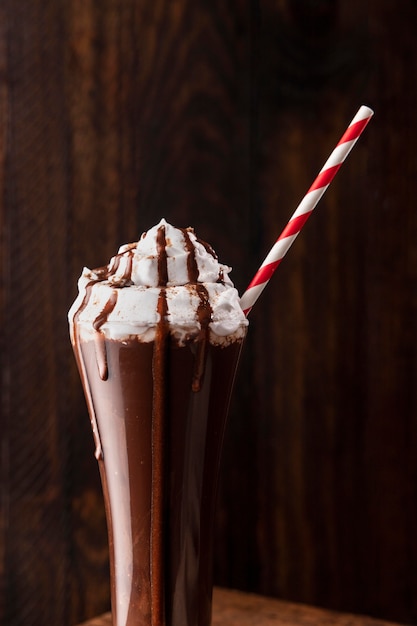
(305, 208)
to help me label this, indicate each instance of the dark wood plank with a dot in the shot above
(322, 461)
(34, 392)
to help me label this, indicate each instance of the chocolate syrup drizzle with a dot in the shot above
(83, 373)
(204, 313)
(157, 547)
(204, 310)
(99, 337)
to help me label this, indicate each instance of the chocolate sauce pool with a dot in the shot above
(161, 444)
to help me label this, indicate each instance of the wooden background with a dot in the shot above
(217, 114)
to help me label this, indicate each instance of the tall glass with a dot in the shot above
(158, 411)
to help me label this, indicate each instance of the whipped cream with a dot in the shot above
(123, 298)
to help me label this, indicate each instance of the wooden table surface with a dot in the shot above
(234, 608)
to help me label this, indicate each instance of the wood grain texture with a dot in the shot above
(233, 608)
(331, 429)
(34, 391)
(217, 115)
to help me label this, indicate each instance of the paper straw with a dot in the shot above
(305, 208)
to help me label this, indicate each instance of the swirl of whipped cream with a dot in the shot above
(122, 298)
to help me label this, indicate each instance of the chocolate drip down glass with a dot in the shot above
(158, 410)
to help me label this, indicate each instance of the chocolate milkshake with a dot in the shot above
(157, 335)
